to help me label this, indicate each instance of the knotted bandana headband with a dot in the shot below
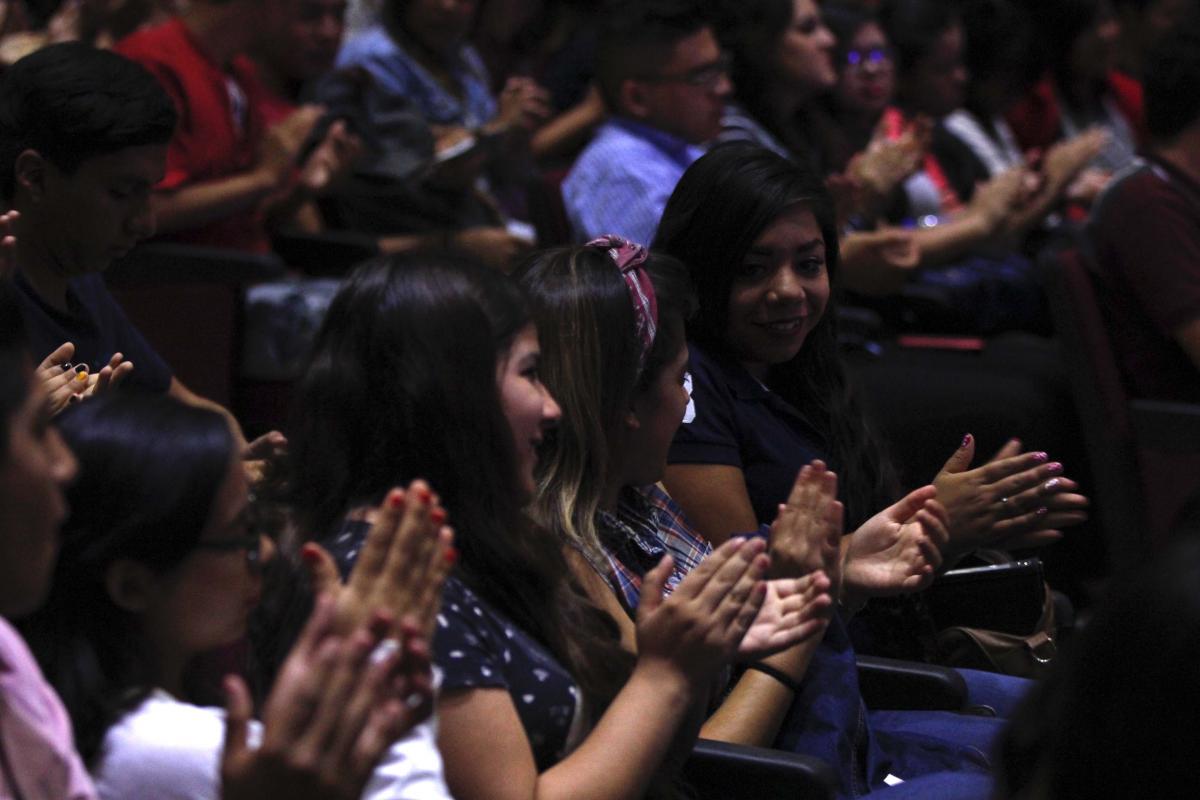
(629, 258)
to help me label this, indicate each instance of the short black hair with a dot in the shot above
(1172, 83)
(71, 102)
(636, 40)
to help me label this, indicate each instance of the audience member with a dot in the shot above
(617, 425)
(535, 685)
(83, 138)
(230, 175)
(304, 715)
(765, 365)
(1082, 88)
(998, 40)
(444, 157)
(663, 77)
(554, 41)
(159, 563)
(1145, 235)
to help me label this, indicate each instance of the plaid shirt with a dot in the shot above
(648, 525)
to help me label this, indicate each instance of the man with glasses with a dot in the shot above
(666, 80)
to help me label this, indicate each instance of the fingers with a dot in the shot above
(238, 711)
(732, 604)
(379, 539)
(269, 445)
(1009, 449)
(936, 524)
(61, 355)
(323, 572)
(730, 582)
(960, 460)
(123, 370)
(655, 581)
(935, 538)
(997, 470)
(908, 505)
(692, 585)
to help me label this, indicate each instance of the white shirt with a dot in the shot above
(168, 750)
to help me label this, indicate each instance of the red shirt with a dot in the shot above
(220, 124)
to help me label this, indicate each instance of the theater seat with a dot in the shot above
(1144, 454)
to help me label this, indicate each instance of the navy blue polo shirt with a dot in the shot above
(734, 420)
(98, 328)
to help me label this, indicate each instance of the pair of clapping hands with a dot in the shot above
(1014, 500)
(359, 676)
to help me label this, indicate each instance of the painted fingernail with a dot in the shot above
(424, 494)
(1051, 484)
(451, 556)
(966, 440)
(396, 499)
(1040, 457)
(438, 515)
(1055, 468)
(81, 377)
(1043, 511)
(309, 555)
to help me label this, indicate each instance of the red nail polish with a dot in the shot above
(438, 515)
(423, 494)
(451, 556)
(396, 499)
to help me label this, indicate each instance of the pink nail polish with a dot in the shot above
(966, 440)
(1051, 484)
(1040, 457)
(1055, 468)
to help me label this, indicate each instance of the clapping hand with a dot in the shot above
(401, 568)
(897, 550)
(339, 702)
(1014, 500)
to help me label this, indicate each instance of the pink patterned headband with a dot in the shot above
(629, 258)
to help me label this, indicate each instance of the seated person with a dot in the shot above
(424, 366)
(83, 139)
(230, 175)
(41, 762)
(443, 153)
(1145, 236)
(1081, 89)
(663, 77)
(168, 571)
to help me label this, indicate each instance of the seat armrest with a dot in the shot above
(166, 263)
(724, 771)
(910, 685)
(1165, 426)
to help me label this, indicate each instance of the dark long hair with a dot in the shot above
(591, 366)
(149, 471)
(721, 205)
(750, 31)
(402, 384)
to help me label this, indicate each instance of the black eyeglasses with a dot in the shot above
(251, 543)
(703, 77)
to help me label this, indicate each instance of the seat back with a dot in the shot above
(1102, 403)
(187, 301)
